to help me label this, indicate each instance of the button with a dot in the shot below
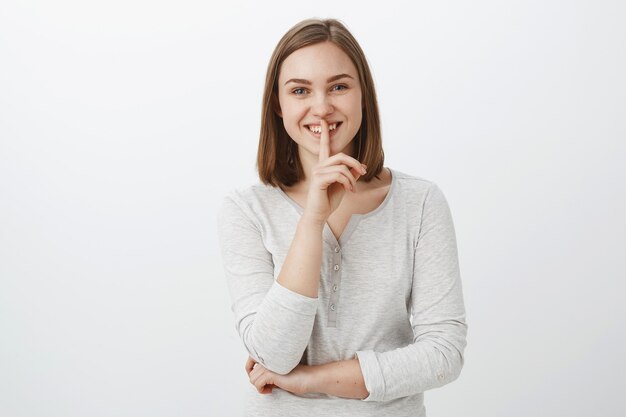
(332, 307)
(336, 267)
(335, 287)
(336, 249)
(440, 376)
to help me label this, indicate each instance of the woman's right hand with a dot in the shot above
(331, 177)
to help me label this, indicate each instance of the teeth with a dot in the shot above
(318, 128)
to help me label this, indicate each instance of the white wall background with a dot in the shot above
(123, 123)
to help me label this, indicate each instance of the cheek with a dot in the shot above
(352, 105)
(293, 114)
(291, 121)
(356, 112)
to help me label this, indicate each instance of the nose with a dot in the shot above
(322, 106)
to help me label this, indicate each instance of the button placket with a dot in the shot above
(334, 295)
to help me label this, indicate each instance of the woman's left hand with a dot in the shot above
(297, 381)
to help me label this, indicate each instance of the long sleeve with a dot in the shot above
(274, 323)
(435, 357)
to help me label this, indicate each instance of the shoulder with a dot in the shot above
(250, 200)
(419, 192)
(411, 184)
(246, 194)
(411, 179)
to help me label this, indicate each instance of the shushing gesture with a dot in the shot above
(332, 176)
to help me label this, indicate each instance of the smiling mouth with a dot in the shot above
(316, 130)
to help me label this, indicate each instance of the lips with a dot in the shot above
(317, 132)
(331, 134)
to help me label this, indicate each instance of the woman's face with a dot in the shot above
(320, 82)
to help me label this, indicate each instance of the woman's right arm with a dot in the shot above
(301, 270)
(275, 318)
(273, 321)
(330, 180)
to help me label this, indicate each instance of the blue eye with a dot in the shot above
(300, 91)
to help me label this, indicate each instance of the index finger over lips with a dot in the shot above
(324, 141)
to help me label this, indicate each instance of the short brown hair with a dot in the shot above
(275, 150)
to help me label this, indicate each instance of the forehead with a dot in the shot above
(316, 63)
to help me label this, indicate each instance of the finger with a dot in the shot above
(262, 381)
(344, 159)
(349, 174)
(256, 372)
(254, 377)
(249, 365)
(357, 173)
(324, 141)
(267, 389)
(336, 176)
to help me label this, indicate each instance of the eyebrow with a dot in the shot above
(330, 80)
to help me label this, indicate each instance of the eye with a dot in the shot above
(295, 91)
(344, 87)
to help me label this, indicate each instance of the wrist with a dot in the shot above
(309, 220)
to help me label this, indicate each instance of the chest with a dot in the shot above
(338, 223)
(351, 204)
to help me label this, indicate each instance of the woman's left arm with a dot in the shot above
(340, 379)
(436, 356)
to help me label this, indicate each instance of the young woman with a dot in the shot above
(343, 274)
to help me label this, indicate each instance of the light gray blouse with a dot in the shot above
(390, 295)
